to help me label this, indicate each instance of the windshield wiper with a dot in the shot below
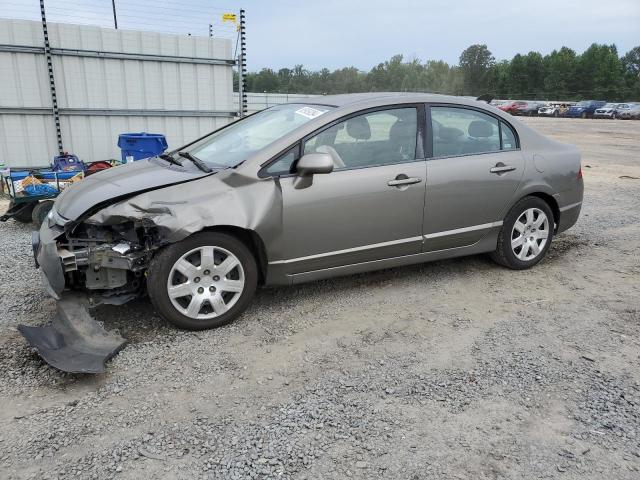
(196, 161)
(170, 159)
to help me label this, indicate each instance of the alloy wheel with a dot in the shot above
(205, 282)
(529, 234)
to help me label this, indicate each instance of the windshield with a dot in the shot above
(233, 144)
(609, 105)
(583, 104)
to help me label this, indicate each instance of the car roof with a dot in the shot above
(384, 98)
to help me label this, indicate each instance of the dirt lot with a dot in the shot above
(455, 369)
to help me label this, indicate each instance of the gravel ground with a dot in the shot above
(454, 369)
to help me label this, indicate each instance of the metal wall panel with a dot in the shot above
(110, 73)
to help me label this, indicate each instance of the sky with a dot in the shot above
(363, 33)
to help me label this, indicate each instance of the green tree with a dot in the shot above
(560, 78)
(561, 75)
(475, 63)
(264, 81)
(498, 79)
(517, 82)
(631, 71)
(600, 73)
(535, 74)
(436, 77)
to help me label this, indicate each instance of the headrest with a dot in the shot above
(448, 133)
(358, 128)
(480, 129)
(398, 130)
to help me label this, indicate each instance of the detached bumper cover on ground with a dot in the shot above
(74, 342)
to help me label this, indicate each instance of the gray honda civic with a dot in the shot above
(305, 191)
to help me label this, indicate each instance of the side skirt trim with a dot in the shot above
(428, 236)
(348, 250)
(446, 233)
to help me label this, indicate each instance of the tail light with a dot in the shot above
(580, 173)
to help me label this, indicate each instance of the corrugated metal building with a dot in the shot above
(108, 82)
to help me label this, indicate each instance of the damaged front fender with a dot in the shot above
(225, 199)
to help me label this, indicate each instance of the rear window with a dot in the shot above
(461, 131)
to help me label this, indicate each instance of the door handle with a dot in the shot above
(502, 168)
(398, 182)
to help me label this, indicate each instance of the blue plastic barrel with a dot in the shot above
(141, 145)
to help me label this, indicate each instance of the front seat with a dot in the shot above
(359, 128)
(356, 154)
(402, 141)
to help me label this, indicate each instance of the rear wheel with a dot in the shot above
(23, 214)
(584, 115)
(526, 234)
(40, 212)
(202, 282)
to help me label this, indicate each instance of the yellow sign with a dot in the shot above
(229, 17)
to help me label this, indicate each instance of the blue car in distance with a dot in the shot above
(584, 109)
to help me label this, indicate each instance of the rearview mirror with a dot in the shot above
(313, 163)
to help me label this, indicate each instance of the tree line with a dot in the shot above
(598, 73)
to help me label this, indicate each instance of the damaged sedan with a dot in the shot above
(301, 192)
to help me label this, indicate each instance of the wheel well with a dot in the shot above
(253, 242)
(553, 205)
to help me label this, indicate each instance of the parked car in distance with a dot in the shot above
(632, 113)
(584, 109)
(620, 108)
(301, 192)
(529, 109)
(553, 109)
(609, 110)
(512, 107)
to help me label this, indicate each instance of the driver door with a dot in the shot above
(370, 207)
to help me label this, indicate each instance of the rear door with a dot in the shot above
(474, 169)
(371, 206)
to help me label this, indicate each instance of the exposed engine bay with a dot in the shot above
(109, 261)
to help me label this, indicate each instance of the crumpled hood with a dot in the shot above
(118, 182)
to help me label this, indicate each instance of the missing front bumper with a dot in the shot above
(74, 342)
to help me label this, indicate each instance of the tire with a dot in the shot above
(513, 257)
(40, 212)
(24, 216)
(584, 115)
(613, 116)
(556, 114)
(202, 284)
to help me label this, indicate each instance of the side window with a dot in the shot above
(376, 138)
(283, 165)
(460, 131)
(508, 137)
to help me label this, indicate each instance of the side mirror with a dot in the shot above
(313, 163)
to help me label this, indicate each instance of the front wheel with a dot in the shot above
(526, 234)
(204, 281)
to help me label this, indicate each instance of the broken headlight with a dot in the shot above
(54, 218)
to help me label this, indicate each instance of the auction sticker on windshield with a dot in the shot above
(310, 112)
